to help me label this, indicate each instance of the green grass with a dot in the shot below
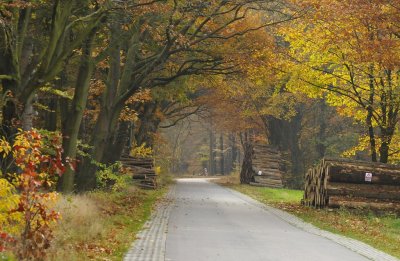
(271, 195)
(379, 231)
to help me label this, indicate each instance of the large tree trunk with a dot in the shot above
(51, 117)
(296, 155)
(28, 114)
(246, 173)
(222, 159)
(107, 120)
(148, 125)
(117, 144)
(284, 135)
(75, 116)
(386, 138)
(9, 113)
(108, 117)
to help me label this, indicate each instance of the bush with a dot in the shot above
(112, 177)
(27, 199)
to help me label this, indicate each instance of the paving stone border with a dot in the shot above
(352, 244)
(150, 242)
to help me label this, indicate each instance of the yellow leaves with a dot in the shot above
(25, 149)
(5, 147)
(50, 199)
(141, 151)
(51, 90)
(8, 201)
(363, 144)
(28, 212)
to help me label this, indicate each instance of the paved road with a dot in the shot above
(204, 221)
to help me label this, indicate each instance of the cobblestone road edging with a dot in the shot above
(150, 242)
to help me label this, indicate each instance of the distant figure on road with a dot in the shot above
(205, 172)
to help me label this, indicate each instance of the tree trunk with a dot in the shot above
(75, 116)
(116, 148)
(28, 114)
(284, 135)
(320, 144)
(359, 203)
(107, 120)
(386, 139)
(234, 152)
(371, 135)
(212, 163)
(351, 174)
(10, 115)
(375, 191)
(246, 174)
(148, 125)
(108, 117)
(222, 159)
(370, 115)
(51, 116)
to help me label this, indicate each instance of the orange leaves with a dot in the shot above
(363, 30)
(28, 155)
(129, 114)
(38, 159)
(141, 96)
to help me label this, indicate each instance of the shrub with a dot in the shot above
(27, 198)
(111, 177)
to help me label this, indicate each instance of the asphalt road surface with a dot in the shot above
(201, 221)
(208, 222)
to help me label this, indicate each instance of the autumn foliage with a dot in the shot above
(27, 196)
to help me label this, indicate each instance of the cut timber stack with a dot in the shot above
(269, 161)
(353, 184)
(142, 171)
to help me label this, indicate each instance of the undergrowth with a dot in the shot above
(101, 225)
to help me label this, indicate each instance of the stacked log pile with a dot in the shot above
(270, 164)
(353, 184)
(142, 171)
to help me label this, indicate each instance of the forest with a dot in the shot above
(192, 84)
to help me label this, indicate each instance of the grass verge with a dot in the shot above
(101, 225)
(379, 231)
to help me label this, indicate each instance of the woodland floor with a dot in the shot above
(380, 230)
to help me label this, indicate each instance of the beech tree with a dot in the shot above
(36, 40)
(350, 56)
(176, 44)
